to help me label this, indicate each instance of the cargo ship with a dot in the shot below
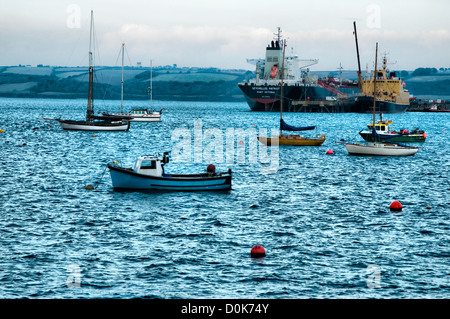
(301, 90)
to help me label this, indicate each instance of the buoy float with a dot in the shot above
(329, 152)
(94, 135)
(1, 131)
(257, 251)
(89, 187)
(396, 206)
(211, 168)
(428, 207)
(424, 135)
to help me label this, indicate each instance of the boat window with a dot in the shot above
(148, 165)
(382, 128)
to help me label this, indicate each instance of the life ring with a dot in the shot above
(323, 137)
(273, 72)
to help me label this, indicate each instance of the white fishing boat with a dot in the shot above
(375, 147)
(148, 174)
(93, 122)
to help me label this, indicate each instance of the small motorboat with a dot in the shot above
(148, 175)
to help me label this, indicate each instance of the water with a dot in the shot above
(324, 220)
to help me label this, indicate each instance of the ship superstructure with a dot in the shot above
(300, 88)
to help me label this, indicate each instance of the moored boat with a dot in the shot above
(390, 96)
(294, 140)
(93, 122)
(380, 149)
(383, 131)
(148, 175)
(377, 147)
(264, 92)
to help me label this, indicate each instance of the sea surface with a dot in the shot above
(324, 220)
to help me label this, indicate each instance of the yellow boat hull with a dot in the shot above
(295, 140)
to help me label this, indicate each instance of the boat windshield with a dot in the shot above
(147, 164)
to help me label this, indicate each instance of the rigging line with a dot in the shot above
(108, 85)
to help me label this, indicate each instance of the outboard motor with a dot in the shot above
(165, 158)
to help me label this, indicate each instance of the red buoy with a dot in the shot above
(258, 251)
(211, 168)
(396, 206)
(329, 152)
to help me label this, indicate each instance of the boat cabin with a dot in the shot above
(381, 126)
(152, 165)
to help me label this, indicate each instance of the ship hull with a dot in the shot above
(267, 97)
(301, 98)
(364, 104)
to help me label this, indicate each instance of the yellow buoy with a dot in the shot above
(1, 131)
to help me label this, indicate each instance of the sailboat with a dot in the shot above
(93, 122)
(290, 139)
(375, 147)
(138, 114)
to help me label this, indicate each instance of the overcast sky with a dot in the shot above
(224, 33)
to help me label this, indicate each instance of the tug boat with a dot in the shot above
(148, 175)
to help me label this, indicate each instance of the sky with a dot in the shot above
(223, 34)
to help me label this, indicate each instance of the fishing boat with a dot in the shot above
(375, 147)
(93, 122)
(290, 139)
(148, 174)
(138, 114)
(403, 135)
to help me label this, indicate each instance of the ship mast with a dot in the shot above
(357, 54)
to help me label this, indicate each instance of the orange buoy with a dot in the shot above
(424, 135)
(396, 206)
(258, 251)
(329, 152)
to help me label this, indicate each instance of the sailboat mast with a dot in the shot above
(151, 85)
(282, 77)
(90, 110)
(121, 92)
(375, 85)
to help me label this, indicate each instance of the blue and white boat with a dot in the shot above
(148, 175)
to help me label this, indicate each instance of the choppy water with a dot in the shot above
(323, 220)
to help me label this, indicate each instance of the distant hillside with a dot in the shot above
(171, 83)
(168, 83)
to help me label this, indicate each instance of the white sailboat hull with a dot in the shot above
(144, 117)
(148, 118)
(380, 149)
(93, 126)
